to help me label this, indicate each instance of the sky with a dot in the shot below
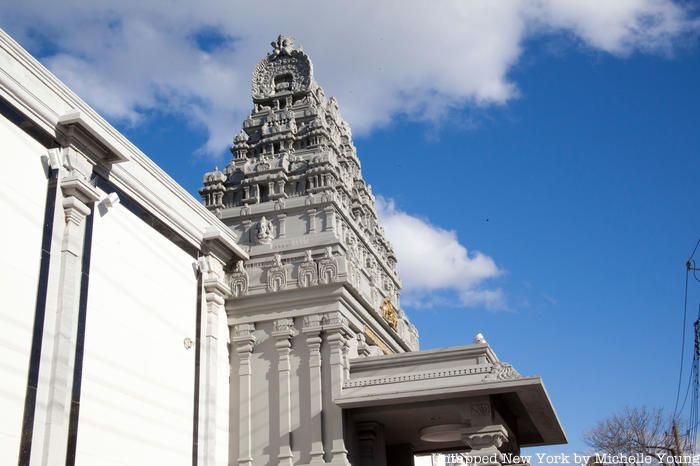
(535, 161)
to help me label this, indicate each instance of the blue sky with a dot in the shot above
(572, 166)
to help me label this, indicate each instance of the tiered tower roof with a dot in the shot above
(294, 158)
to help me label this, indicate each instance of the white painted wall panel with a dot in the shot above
(222, 415)
(138, 378)
(22, 198)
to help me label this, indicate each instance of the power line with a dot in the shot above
(685, 314)
(694, 250)
(689, 266)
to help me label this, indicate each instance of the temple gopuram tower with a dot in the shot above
(319, 260)
(320, 348)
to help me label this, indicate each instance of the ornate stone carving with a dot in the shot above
(486, 439)
(239, 280)
(242, 137)
(389, 313)
(376, 342)
(308, 271)
(334, 318)
(282, 46)
(264, 231)
(480, 409)
(328, 267)
(211, 269)
(262, 166)
(295, 149)
(285, 69)
(362, 346)
(243, 330)
(276, 275)
(313, 321)
(502, 371)
(410, 377)
(284, 326)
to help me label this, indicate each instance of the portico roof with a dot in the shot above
(410, 391)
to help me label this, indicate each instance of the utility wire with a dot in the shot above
(685, 314)
(694, 250)
(689, 265)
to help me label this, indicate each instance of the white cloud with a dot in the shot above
(436, 269)
(380, 59)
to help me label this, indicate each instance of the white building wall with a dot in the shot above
(222, 392)
(23, 185)
(138, 377)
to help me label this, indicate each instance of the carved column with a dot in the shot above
(216, 290)
(78, 196)
(312, 331)
(247, 230)
(244, 341)
(485, 443)
(312, 220)
(346, 360)
(370, 443)
(330, 218)
(280, 188)
(283, 333)
(281, 225)
(337, 331)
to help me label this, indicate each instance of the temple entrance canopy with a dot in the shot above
(453, 399)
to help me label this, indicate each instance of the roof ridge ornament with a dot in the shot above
(285, 69)
(282, 46)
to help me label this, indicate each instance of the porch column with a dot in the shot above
(244, 340)
(213, 404)
(283, 333)
(78, 197)
(485, 443)
(312, 331)
(370, 439)
(337, 331)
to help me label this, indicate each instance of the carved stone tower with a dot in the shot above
(321, 285)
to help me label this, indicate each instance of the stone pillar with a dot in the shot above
(78, 195)
(330, 218)
(283, 333)
(216, 290)
(281, 225)
(247, 231)
(280, 188)
(244, 341)
(346, 360)
(370, 442)
(312, 220)
(485, 442)
(312, 331)
(337, 331)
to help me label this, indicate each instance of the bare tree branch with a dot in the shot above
(635, 432)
